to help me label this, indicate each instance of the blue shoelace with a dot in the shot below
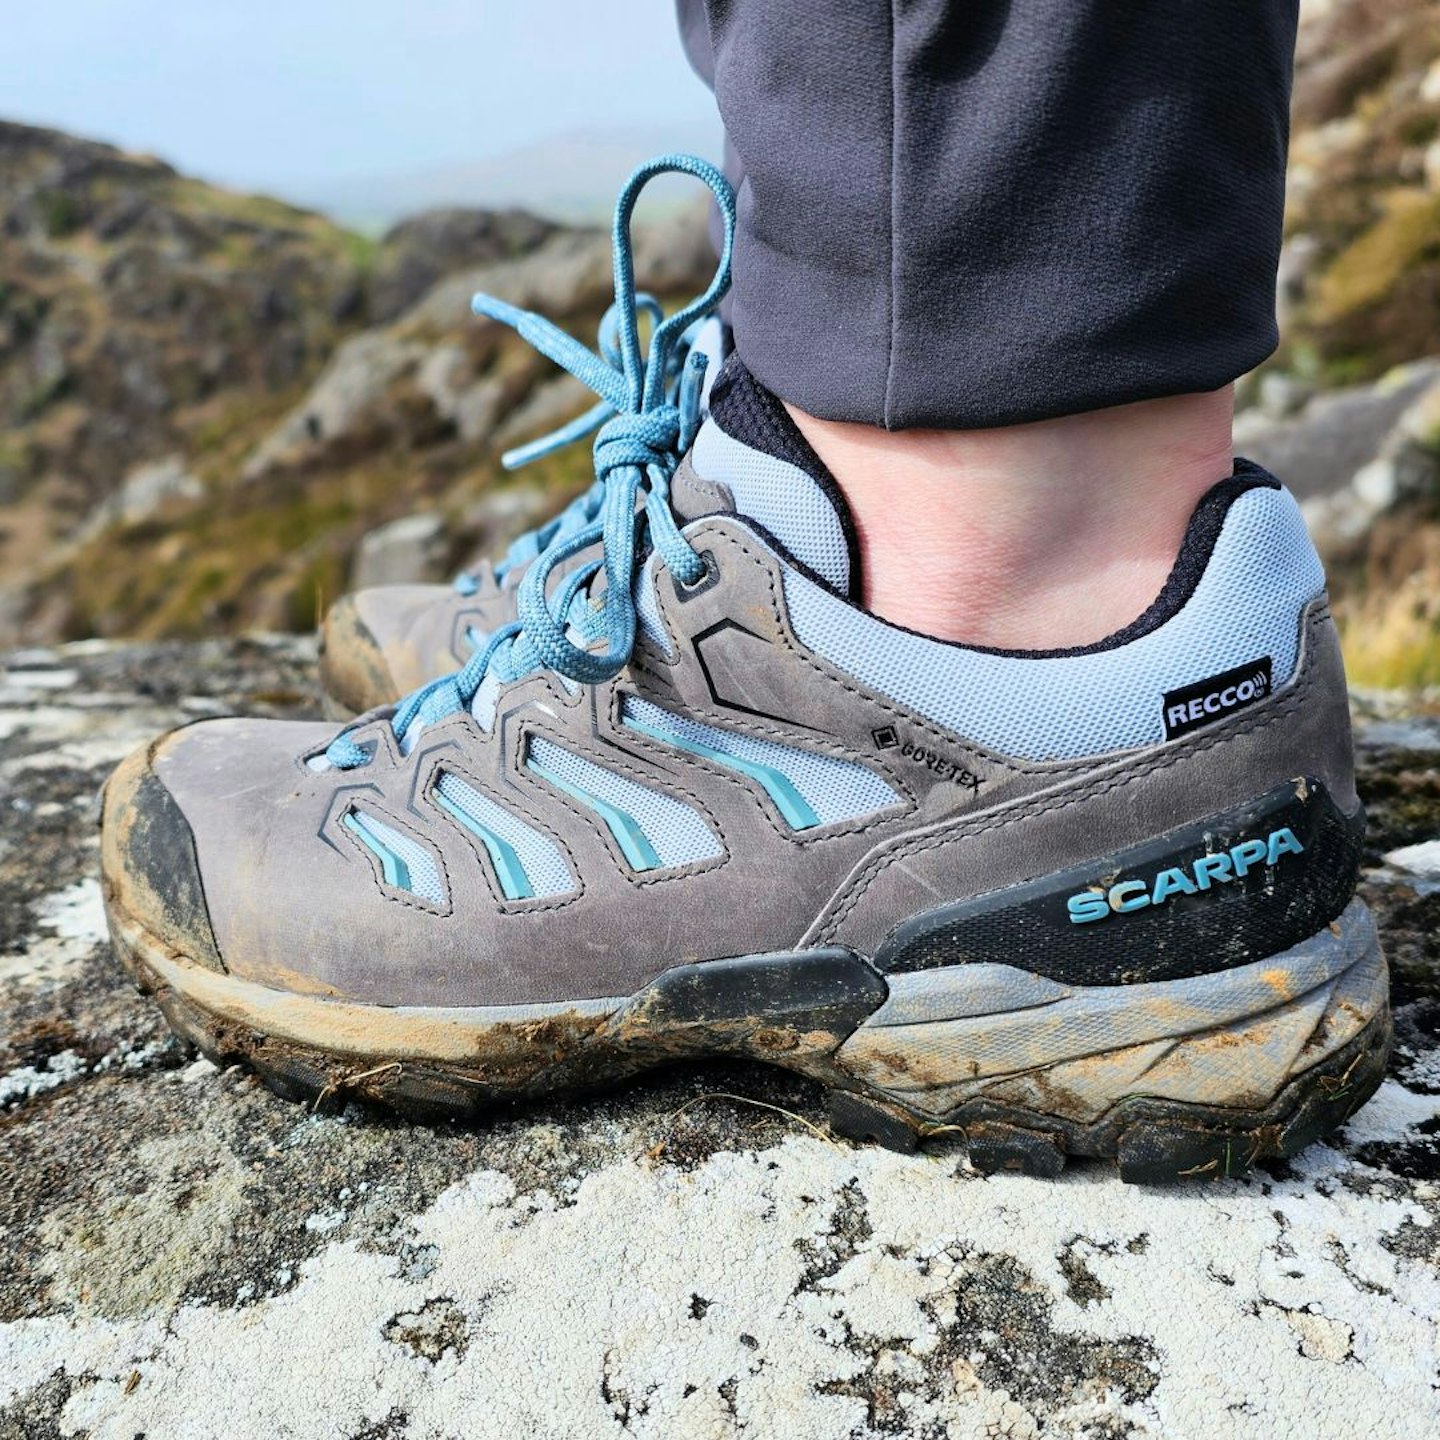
(584, 509)
(646, 423)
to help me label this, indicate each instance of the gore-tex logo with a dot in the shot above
(887, 737)
(1206, 701)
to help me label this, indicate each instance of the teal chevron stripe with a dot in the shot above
(514, 882)
(395, 870)
(636, 848)
(788, 800)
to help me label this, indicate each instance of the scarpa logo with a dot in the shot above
(1125, 897)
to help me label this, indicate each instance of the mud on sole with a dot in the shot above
(1193, 1078)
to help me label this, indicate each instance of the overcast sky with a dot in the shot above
(280, 94)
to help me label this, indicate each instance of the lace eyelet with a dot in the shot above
(707, 581)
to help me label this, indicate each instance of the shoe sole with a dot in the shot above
(1195, 1078)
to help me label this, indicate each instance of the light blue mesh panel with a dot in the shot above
(482, 707)
(406, 864)
(781, 496)
(647, 610)
(1261, 575)
(809, 789)
(653, 830)
(541, 862)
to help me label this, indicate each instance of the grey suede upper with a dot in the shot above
(296, 901)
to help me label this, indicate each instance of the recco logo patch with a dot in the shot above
(1207, 701)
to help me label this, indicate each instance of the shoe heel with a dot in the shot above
(1198, 1077)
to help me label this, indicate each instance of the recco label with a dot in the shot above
(1207, 701)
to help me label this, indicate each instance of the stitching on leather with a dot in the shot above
(518, 908)
(1163, 758)
(389, 892)
(918, 722)
(602, 831)
(834, 830)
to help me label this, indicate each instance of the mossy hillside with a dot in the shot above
(146, 316)
(135, 305)
(1364, 200)
(273, 554)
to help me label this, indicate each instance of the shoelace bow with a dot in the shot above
(651, 424)
(584, 508)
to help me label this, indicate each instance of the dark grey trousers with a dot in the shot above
(964, 213)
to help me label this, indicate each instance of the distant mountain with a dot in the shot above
(571, 177)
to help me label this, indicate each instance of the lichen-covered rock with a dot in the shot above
(183, 1254)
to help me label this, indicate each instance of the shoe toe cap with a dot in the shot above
(149, 863)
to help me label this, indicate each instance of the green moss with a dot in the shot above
(1352, 369)
(361, 250)
(313, 591)
(263, 210)
(1371, 266)
(1418, 128)
(1394, 647)
(264, 554)
(61, 214)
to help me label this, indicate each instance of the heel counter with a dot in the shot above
(1228, 889)
(1296, 738)
(1320, 731)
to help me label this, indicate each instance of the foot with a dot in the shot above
(1089, 902)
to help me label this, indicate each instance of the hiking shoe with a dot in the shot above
(380, 643)
(697, 802)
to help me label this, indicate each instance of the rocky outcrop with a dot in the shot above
(1355, 454)
(1365, 463)
(213, 398)
(1320, 444)
(416, 253)
(343, 406)
(129, 294)
(693, 1255)
(410, 550)
(143, 316)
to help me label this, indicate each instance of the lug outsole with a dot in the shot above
(1152, 1141)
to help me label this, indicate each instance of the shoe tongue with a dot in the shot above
(751, 447)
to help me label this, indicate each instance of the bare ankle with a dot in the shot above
(1034, 536)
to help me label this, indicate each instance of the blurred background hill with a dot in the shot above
(219, 410)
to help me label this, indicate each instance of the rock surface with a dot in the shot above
(408, 551)
(184, 1255)
(1326, 442)
(417, 252)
